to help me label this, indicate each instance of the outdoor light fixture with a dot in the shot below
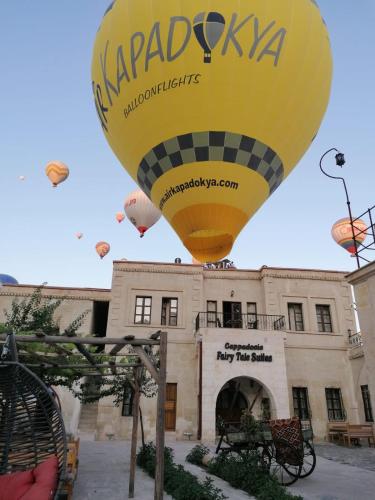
(232, 293)
(340, 159)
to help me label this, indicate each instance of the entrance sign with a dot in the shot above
(241, 353)
(210, 110)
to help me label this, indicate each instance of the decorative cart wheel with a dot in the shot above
(283, 461)
(309, 459)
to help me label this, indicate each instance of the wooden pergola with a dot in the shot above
(93, 366)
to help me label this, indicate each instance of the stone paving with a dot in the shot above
(362, 457)
(341, 473)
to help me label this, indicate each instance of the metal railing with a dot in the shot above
(364, 241)
(263, 322)
(355, 339)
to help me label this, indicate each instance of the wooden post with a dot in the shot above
(160, 419)
(133, 453)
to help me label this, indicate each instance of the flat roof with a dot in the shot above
(230, 269)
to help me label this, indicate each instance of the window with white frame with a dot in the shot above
(212, 319)
(142, 310)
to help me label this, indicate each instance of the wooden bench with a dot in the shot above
(336, 430)
(359, 431)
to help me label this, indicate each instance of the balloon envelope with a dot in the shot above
(57, 172)
(102, 248)
(6, 279)
(209, 143)
(120, 217)
(141, 212)
(342, 233)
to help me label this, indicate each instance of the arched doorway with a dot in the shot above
(239, 394)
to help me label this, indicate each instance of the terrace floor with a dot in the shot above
(341, 473)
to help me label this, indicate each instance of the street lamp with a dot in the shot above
(340, 161)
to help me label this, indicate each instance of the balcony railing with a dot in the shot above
(263, 322)
(355, 339)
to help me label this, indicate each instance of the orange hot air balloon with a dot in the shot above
(102, 248)
(57, 172)
(79, 235)
(342, 233)
(120, 217)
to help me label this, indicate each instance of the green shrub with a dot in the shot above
(243, 472)
(197, 453)
(179, 483)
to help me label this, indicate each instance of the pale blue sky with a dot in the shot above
(47, 113)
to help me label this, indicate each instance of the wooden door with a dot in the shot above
(170, 407)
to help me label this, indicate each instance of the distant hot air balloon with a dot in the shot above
(120, 217)
(208, 30)
(102, 248)
(209, 143)
(57, 172)
(141, 212)
(342, 233)
(6, 279)
(21, 177)
(79, 235)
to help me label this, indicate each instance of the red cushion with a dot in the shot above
(45, 477)
(14, 486)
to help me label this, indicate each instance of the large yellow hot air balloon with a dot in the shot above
(57, 172)
(210, 105)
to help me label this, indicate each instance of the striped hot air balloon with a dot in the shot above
(57, 172)
(141, 212)
(102, 248)
(342, 233)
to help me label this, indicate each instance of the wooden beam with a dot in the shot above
(140, 352)
(59, 365)
(160, 419)
(115, 350)
(60, 339)
(133, 452)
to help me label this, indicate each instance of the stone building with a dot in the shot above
(276, 341)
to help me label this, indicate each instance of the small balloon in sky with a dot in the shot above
(21, 177)
(102, 248)
(79, 235)
(342, 233)
(57, 172)
(120, 217)
(141, 212)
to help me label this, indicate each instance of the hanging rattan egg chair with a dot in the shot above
(31, 425)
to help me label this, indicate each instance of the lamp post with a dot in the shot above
(340, 161)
